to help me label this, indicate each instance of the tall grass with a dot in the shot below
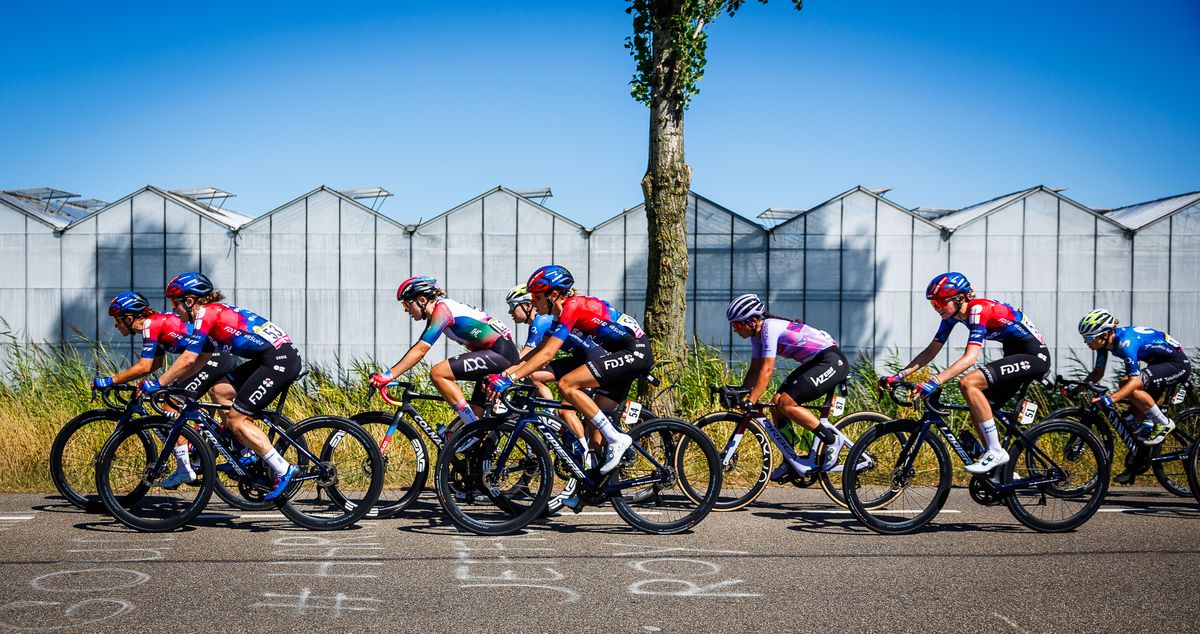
(45, 386)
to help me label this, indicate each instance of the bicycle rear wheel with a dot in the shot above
(744, 473)
(1171, 473)
(485, 495)
(405, 462)
(1066, 448)
(853, 427)
(885, 495)
(1192, 465)
(122, 470)
(340, 489)
(73, 457)
(682, 487)
(231, 488)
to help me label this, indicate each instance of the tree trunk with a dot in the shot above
(665, 187)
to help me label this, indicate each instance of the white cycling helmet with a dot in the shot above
(745, 307)
(1096, 323)
(517, 296)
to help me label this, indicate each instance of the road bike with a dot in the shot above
(496, 476)
(1166, 459)
(330, 491)
(745, 437)
(1054, 481)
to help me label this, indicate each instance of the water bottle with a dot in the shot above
(970, 444)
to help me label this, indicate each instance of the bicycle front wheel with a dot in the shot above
(405, 462)
(1192, 465)
(122, 470)
(744, 468)
(1168, 457)
(493, 481)
(342, 485)
(1068, 452)
(853, 426)
(73, 457)
(903, 481)
(678, 475)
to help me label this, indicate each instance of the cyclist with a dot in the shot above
(520, 308)
(1166, 366)
(1025, 357)
(489, 344)
(272, 362)
(626, 353)
(822, 368)
(164, 333)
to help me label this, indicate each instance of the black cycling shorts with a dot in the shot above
(259, 381)
(616, 370)
(477, 364)
(1158, 377)
(1007, 374)
(214, 371)
(817, 377)
(561, 367)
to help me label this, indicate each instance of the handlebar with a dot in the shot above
(406, 394)
(1065, 384)
(113, 396)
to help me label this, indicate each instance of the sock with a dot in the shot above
(611, 434)
(183, 463)
(277, 462)
(1156, 415)
(991, 440)
(465, 413)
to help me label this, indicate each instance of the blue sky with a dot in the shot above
(948, 103)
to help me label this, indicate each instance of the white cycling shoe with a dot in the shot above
(990, 459)
(175, 479)
(614, 452)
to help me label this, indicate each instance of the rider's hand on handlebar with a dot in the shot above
(149, 387)
(380, 379)
(925, 389)
(102, 383)
(886, 382)
(498, 383)
(746, 405)
(1104, 400)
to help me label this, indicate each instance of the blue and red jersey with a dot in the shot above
(997, 321)
(471, 327)
(235, 330)
(166, 332)
(1135, 343)
(542, 324)
(596, 319)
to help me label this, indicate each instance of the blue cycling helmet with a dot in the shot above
(189, 284)
(948, 286)
(550, 277)
(129, 302)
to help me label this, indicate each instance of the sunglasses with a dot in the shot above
(939, 304)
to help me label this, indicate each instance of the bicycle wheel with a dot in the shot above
(853, 427)
(231, 488)
(1167, 458)
(485, 494)
(1070, 450)
(744, 472)
(405, 462)
(73, 457)
(342, 487)
(1192, 465)
(123, 468)
(888, 497)
(672, 453)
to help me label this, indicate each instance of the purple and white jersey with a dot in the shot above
(791, 339)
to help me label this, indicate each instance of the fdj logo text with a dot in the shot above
(609, 364)
(1010, 368)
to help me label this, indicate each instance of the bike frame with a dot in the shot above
(757, 413)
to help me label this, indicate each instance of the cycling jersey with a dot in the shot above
(790, 339)
(1135, 343)
(235, 330)
(596, 319)
(468, 326)
(990, 319)
(166, 332)
(542, 324)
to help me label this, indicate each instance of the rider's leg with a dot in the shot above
(972, 386)
(572, 386)
(443, 381)
(540, 380)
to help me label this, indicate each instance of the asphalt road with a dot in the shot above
(791, 562)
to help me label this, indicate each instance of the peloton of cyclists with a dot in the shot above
(271, 364)
(1166, 366)
(822, 368)
(1025, 357)
(164, 333)
(488, 341)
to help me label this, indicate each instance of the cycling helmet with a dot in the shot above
(189, 284)
(948, 286)
(550, 277)
(417, 286)
(517, 296)
(129, 302)
(744, 307)
(1096, 323)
